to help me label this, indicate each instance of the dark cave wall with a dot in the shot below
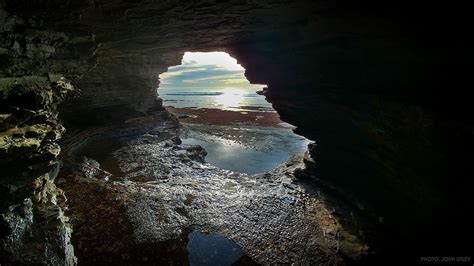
(377, 88)
(403, 162)
(120, 87)
(383, 103)
(37, 65)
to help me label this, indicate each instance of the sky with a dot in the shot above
(206, 70)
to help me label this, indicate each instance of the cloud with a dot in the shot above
(222, 77)
(203, 75)
(219, 68)
(181, 72)
(197, 70)
(220, 59)
(235, 81)
(191, 62)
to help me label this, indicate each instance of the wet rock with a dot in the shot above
(176, 140)
(196, 153)
(91, 169)
(34, 79)
(37, 230)
(165, 191)
(172, 142)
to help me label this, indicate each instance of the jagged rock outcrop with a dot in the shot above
(381, 89)
(35, 66)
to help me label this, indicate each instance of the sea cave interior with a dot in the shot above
(235, 133)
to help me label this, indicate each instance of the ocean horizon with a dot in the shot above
(231, 99)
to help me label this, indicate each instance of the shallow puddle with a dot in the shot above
(248, 150)
(212, 249)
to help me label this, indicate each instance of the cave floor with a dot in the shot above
(141, 202)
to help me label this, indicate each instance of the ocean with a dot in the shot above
(218, 98)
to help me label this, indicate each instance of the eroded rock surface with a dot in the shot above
(34, 79)
(161, 190)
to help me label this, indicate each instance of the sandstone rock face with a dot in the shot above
(377, 88)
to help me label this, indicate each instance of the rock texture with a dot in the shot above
(382, 90)
(35, 66)
(149, 194)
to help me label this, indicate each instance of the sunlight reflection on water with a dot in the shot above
(230, 99)
(254, 150)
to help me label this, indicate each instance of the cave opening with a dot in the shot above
(94, 170)
(227, 115)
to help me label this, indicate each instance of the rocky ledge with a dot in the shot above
(141, 200)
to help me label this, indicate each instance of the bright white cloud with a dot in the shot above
(214, 69)
(220, 59)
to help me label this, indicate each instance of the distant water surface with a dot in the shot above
(218, 98)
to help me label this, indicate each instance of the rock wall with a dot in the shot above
(383, 99)
(377, 87)
(36, 66)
